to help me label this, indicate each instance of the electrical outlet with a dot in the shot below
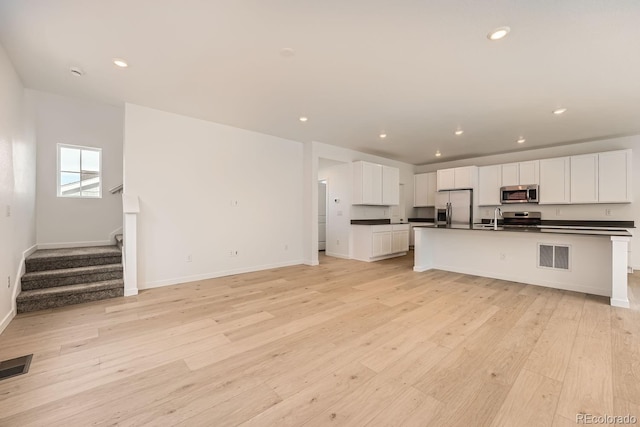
(234, 203)
(558, 211)
(233, 253)
(189, 258)
(339, 213)
(607, 212)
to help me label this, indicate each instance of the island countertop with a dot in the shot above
(542, 229)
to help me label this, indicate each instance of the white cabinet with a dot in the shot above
(375, 242)
(522, 173)
(424, 189)
(614, 177)
(510, 175)
(555, 181)
(529, 172)
(375, 184)
(489, 180)
(584, 178)
(457, 178)
(380, 243)
(390, 185)
(400, 238)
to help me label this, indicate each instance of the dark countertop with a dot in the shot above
(602, 231)
(421, 220)
(383, 221)
(577, 223)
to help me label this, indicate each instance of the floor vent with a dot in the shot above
(553, 256)
(14, 367)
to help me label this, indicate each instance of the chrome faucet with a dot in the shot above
(496, 212)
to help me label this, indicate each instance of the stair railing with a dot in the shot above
(117, 189)
(130, 210)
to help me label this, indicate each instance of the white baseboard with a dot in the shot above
(214, 275)
(7, 319)
(64, 245)
(19, 272)
(335, 255)
(619, 303)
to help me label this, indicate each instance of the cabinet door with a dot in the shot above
(489, 180)
(614, 177)
(510, 174)
(584, 178)
(371, 184)
(555, 181)
(431, 189)
(446, 179)
(463, 177)
(529, 172)
(390, 185)
(381, 243)
(400, 241)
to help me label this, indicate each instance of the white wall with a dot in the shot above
(314, 151)
(17, 185)
(623, 212)
(188, 174)
(339, 182)
(75, 221)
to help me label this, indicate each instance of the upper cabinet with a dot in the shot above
(390, 185)
(614, 177)
(522, 173)
(555, 181)
(375, 184)
(424, 190)
(584, 178)
(489, 182)
(457, 178)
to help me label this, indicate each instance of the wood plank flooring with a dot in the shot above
(344, 343)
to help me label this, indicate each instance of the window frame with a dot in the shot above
(59, 171)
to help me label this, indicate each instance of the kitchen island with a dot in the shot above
(588, 260)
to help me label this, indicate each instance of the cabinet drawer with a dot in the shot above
(381, 228)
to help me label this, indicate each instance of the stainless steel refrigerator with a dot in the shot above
(457, 205)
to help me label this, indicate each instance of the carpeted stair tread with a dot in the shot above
(56, 259)
(88, 252)
(62, 291)
(70, 276)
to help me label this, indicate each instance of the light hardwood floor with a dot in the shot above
(344, 343)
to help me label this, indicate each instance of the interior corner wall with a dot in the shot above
(76, 221)
(619, 211)
(17, 185)
(214, 200)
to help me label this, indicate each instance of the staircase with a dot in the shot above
(60, 277)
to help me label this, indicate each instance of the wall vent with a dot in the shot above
(553, 256)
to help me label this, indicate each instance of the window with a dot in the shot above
(79, 171)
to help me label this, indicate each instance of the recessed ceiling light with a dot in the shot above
(120, 62)
(521, 140)
(459, 132)
(498, 33)
(383, 135)
(438, 153)
(559, 111)
(287, 52)
(303, 119)
(76, 71)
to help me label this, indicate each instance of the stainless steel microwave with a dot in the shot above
(519, 194)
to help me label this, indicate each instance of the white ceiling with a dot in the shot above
(415, 70)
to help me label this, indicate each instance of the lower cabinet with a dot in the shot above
(375, 242)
